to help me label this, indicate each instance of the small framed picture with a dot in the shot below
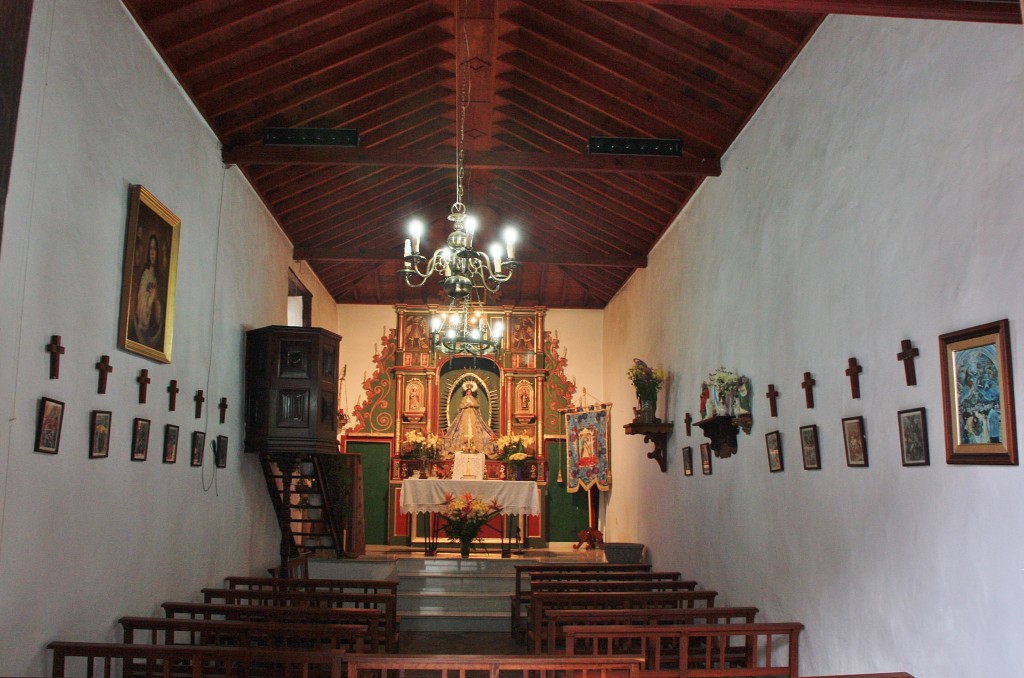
(140, 439)
(856, 441)
(170, 444)
(220, 452)
(809, 447)
(977, 395)
(773, 443)
(705, 458)
(687, 461)
(99, 436)
(198, 446)
(51, 419)
(913, 437)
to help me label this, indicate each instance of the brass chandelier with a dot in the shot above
(460, 266)
(463, 329)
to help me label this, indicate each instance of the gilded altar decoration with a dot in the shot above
(414, 405)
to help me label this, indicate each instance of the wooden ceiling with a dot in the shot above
(539, 78)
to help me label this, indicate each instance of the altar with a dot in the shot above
(427, 496)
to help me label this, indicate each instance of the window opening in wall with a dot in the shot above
(300, 302)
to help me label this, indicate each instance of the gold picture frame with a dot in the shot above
(149, 277)
(977, 395)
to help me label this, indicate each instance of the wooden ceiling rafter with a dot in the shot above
(676, 112)
(605, 211)
(613, 199)
(943, 10)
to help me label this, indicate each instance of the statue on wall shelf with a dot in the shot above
(468, 431)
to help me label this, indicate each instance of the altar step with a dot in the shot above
(447, 593)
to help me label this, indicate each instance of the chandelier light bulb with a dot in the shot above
(497, 329)
(496, 256)
(435, 323)
(511, 236)
(416, 231)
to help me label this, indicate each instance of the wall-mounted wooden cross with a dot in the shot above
(853, 372)
(172, 392)
(199, 403)
(907, 354)
(808, 387)
(223, 407)
(144, 382)
(56, 351)
(104, 369)
(772, 395)
(688, 420)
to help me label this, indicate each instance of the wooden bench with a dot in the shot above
(339, 585)
(900, 674)
(372, 619)
(558, 619)
(164, 631)
(387, 603)
(193, 661)
(527, 574)
(690, 650)
(536, 629)
(443, 666)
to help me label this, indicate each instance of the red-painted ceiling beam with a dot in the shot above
(948, 10)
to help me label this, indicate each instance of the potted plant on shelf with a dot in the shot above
(514, 448)
(464, 516)
(647, 381)
(424, 447)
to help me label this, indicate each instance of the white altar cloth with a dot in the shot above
(516, 497)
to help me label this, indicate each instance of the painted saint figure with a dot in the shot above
(148, 314)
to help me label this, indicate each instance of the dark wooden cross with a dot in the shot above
(688, 420)
(808, 387)
(56, 351)
(907, 354)
(144, 382)
(104, 369)
(223, 407)
(199, 403)
(772, 396)
(172, 391)
(853, 372)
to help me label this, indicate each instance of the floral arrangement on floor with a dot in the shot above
(464, 516)
(646, 380)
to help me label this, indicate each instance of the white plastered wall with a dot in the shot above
(875, 197)
(83, 541)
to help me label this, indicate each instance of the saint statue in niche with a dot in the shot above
(468, 431)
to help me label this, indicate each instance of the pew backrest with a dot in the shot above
(339, 585)
(110, 659)
(691, 650)
(443, 666)
(164, 631)
(558, 619)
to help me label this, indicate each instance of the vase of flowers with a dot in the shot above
(647, 381)
(464, 516)
(513, 449)
(725, 390)
(424, 447)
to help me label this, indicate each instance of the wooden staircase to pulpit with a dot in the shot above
(291, 382)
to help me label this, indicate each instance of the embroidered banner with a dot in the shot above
(588, 452)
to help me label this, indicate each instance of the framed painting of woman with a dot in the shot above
(148, 279)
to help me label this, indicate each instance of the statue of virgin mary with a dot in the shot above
(468, 431)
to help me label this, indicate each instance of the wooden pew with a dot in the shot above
(536, 630)
(164, 631)
(339, 585)
(899, 674)
(444, 666)
(387, 603)
(558, 619)
(193, 661)
(373, 619)
(692, 650)
(526, 573)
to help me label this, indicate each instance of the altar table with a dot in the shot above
(516, 497)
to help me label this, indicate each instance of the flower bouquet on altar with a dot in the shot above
(426, 448)
(464, 516)
(513, 449)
